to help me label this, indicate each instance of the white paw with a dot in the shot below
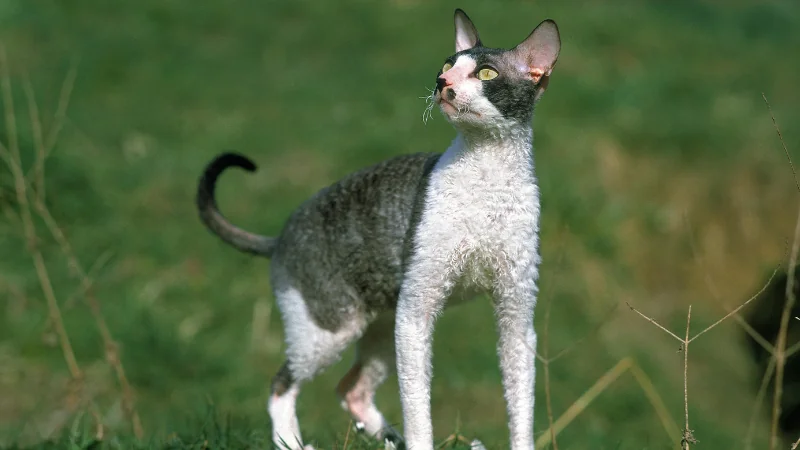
(389, 445)
(477, 445)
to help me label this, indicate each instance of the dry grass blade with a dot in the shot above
(606, 318)
(111, 347)
(347, 435)
(654, 323)
(793, 349)
(796, 444)
(547, 394)
(780, 137)
(712, 288)
(61, 110)
(36, 126)
(60, 117)
(762, 390)
(546, 346)
(602, 383)
(8, 107)
(656, 401)
(738, 308)
(81, 291)
(688, 437)
(12, 157)
(765, 344)
(780, 345)
(583, 401)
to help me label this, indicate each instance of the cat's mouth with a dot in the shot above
(454, 111)
(443, 102)
(446, 105)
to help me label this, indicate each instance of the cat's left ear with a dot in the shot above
(466, 33)
(538, 53)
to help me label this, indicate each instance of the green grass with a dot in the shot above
(654, 113)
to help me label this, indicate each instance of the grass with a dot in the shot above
(653, 147)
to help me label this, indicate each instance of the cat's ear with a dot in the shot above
(466, 33)
(539, 51)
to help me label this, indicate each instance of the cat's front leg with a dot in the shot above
(515, 299)
(422, 296)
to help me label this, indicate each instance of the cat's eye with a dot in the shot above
(486, 74)
(447, 66)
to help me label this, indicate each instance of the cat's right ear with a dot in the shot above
(466, 33)
(539, 51)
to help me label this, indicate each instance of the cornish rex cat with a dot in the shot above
(374, 258)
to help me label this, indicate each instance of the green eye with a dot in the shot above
(447, 66)
(487, 74)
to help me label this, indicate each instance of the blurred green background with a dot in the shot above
(652, 137)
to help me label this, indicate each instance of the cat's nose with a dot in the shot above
(441, 83)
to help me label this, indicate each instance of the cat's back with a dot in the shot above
(370, 199)
(348, 239)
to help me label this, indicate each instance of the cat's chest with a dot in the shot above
(480, 215)
(484, 199)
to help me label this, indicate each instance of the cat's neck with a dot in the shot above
(514, 145)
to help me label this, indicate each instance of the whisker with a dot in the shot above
(427, 113)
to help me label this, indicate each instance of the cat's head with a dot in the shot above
(482, 87)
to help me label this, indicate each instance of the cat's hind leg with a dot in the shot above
(309, 349)
(281, 408)
(375, 360)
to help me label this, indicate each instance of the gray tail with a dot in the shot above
(210, 215)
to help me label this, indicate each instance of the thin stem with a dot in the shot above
(111, 347)
(762, 389)
(36, 126)
(547, 395)
(780, 345)
(780, 136)
(655, 323)
(688, 437)
(12, 156)
(738, 308)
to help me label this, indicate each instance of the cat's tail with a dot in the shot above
(213, 218)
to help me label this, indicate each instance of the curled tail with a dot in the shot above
(213, 218)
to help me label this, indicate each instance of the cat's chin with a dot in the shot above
(451, 112)
(447, 108)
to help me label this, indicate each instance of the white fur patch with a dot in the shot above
(309, 347)
(285, 428)
(479, 228)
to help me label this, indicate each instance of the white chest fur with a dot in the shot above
(481, 210)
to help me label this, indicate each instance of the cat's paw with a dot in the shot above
(477, 445)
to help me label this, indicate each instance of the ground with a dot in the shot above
(663, 185)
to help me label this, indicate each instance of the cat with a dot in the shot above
(374, 257)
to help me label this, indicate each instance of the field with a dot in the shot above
(663, 182)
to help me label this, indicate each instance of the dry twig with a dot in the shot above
(783, 143)
(780, 345)
(687, 435)
(613, 374)
(42, 152)
(11, 155)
